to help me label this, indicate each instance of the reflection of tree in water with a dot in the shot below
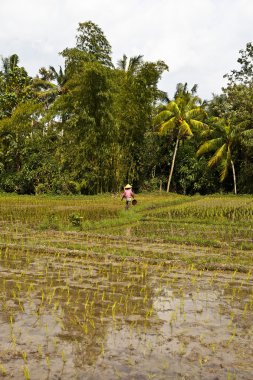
(105, 296)
(83, 300)
(136, 314)
(12, 281)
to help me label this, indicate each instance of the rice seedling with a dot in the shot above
(3, 370)
(26, 372)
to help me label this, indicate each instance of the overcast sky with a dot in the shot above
(198, 39)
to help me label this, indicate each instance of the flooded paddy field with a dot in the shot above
(121, 295)
(80, 317)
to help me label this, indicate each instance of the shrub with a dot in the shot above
(83, 186)
(75, 219)
(72, 187)
(153, 184)
(41, 188)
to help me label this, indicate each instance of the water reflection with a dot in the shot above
(85, 317)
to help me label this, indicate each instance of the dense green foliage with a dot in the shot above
(92, 126)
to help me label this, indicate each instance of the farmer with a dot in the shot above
(128, 195)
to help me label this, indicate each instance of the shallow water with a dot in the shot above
(79, 317)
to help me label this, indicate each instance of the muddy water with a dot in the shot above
(83, 318)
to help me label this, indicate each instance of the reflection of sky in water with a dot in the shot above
(94, 319)
(196, 306)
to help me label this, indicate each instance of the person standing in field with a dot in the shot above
(128, 194)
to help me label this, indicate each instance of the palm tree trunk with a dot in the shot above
(234, 176)
(172, 165)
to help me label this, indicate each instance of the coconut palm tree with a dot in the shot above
(181, 117)
(49, 84)
(226, 137)
(14, 85)
(9, 64)
(130, 65)
(60, 77)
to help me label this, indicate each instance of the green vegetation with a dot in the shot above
(92, 126)
(205, 231)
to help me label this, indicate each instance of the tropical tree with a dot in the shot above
(244, 74)
(136, 93)
(226, 140)
(131, 65)
(60, 77)
(83, 115)
(235, 129)
(91, 39)
(91, 46)
(15, 85)
(17, 134)
(181, 117)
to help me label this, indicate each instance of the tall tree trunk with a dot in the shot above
(234, 176)
(172, 165)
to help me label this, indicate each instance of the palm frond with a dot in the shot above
(167, 125)
(209, 146)
(194, 113)
(245, 124)
(218, 155)
(205, 133)
(162, 117)
(198, 124)
(224, 170)
(173, 107)
(248, 133)
(185, 129)
(134, 63)
(225, 165)
(214, 120)
(122, 63)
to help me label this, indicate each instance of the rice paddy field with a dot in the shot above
(161, 291)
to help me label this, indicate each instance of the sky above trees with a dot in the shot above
(199, 39)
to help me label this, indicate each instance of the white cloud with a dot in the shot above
(198, 39)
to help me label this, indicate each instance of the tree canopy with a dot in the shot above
(91, 126)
